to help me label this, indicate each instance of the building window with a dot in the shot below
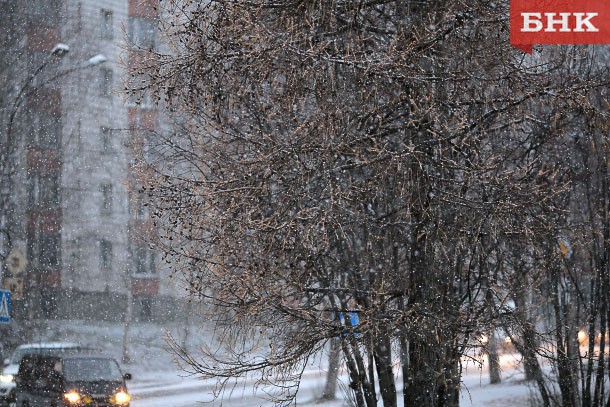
(140, 212)
(33, 190)
(45, 129)
(44, 12)
(142, 32)
(140, 99)
(146, 309)
(49, 251)
(152, 265)
(140, 261)
(136, 209)
(43, 190)
(50, 131)
(76, 258)
(106, 28)
(106, 190)
(144, 261)
(49, 190)
(105, 255)
(138, 94)
(106, 140)
(105, 81)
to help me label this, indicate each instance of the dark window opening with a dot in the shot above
(49, 190)
(105, 81)
(45, 129)
(106, 140)
(146, 309)
(143, 32)
(49, 253)
(106, 190)
(105, 255)
(106, 28)
(144, 261)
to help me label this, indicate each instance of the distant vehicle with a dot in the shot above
(11, 365)
(71, 381)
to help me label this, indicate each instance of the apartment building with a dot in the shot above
(68, 216)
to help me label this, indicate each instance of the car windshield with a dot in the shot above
(20, 353)
(91, 370)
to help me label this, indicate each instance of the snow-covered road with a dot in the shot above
(189, 392)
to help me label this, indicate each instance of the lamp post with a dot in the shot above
(9, 142)
(9, 146)
(56, 53)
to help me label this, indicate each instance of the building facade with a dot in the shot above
(68, 214)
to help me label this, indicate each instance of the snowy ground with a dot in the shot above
(189, 393)
(157, 381)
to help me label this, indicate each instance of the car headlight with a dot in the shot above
(72, 397)
(7, 378)
(121, 397)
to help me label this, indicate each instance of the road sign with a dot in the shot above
(5, 307)
(16, 262)
(353, 321)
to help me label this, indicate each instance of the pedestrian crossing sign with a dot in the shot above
(5, 307)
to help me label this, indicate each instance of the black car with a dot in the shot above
(71, 381)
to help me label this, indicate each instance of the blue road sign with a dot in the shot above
(5, 307)
(353, 321)
(353, 318)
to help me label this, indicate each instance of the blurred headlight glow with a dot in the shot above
(122, 397)
(72, 397)
(6, 378)
(582, 336)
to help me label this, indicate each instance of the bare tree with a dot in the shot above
(350, 171)
(557, 285)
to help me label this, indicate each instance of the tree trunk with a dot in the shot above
(383, 362)
(354, 381)
(532, 368)
(494, 361)
(566, 354)
(434, 376)
(187, 324)
(404, 363)
(334, 359)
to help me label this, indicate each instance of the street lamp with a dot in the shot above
(58, 51)
(94, 60)
(6, 163)
(8, 145)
